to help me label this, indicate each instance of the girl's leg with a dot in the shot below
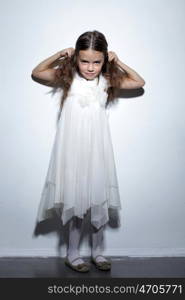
(97, 243)
(75, 228)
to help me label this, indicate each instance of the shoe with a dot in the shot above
(83, 267)
(101, 265)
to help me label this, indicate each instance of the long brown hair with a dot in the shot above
(94, 40)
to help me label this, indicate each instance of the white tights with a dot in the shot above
(75, 229)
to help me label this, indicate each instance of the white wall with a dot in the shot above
(147, 131)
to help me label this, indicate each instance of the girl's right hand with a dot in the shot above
(67, 52)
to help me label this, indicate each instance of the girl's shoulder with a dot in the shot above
(106, 80)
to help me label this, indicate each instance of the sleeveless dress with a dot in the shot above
(82, 175)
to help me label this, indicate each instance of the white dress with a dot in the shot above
(81, 173)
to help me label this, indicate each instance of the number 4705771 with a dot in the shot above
(161, 289)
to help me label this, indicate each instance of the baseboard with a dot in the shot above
(129, 252)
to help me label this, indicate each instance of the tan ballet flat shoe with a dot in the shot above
(83, 267)
(101, 265)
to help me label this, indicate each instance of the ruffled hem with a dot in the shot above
(58, 211)
(100, 213)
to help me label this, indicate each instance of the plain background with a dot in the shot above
(147, 131)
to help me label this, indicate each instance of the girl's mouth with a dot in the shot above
(90, 74)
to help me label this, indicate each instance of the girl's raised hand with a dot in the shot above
(67, 52)
(112, 56)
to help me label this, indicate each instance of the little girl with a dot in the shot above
(81, 176)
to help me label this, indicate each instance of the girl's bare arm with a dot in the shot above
(45, 72)
(133, 80)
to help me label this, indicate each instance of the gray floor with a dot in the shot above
(122, 267)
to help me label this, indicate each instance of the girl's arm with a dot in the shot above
(44, 72)
(133, 79)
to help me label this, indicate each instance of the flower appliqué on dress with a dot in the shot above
(92, 95)
(89, 92)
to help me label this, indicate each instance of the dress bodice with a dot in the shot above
(89, 91)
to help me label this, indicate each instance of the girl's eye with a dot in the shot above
(84, 61)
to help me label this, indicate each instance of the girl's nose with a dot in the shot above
(90, 67)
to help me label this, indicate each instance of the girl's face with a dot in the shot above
(90, 63)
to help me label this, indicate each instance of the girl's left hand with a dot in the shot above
(112, 56)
